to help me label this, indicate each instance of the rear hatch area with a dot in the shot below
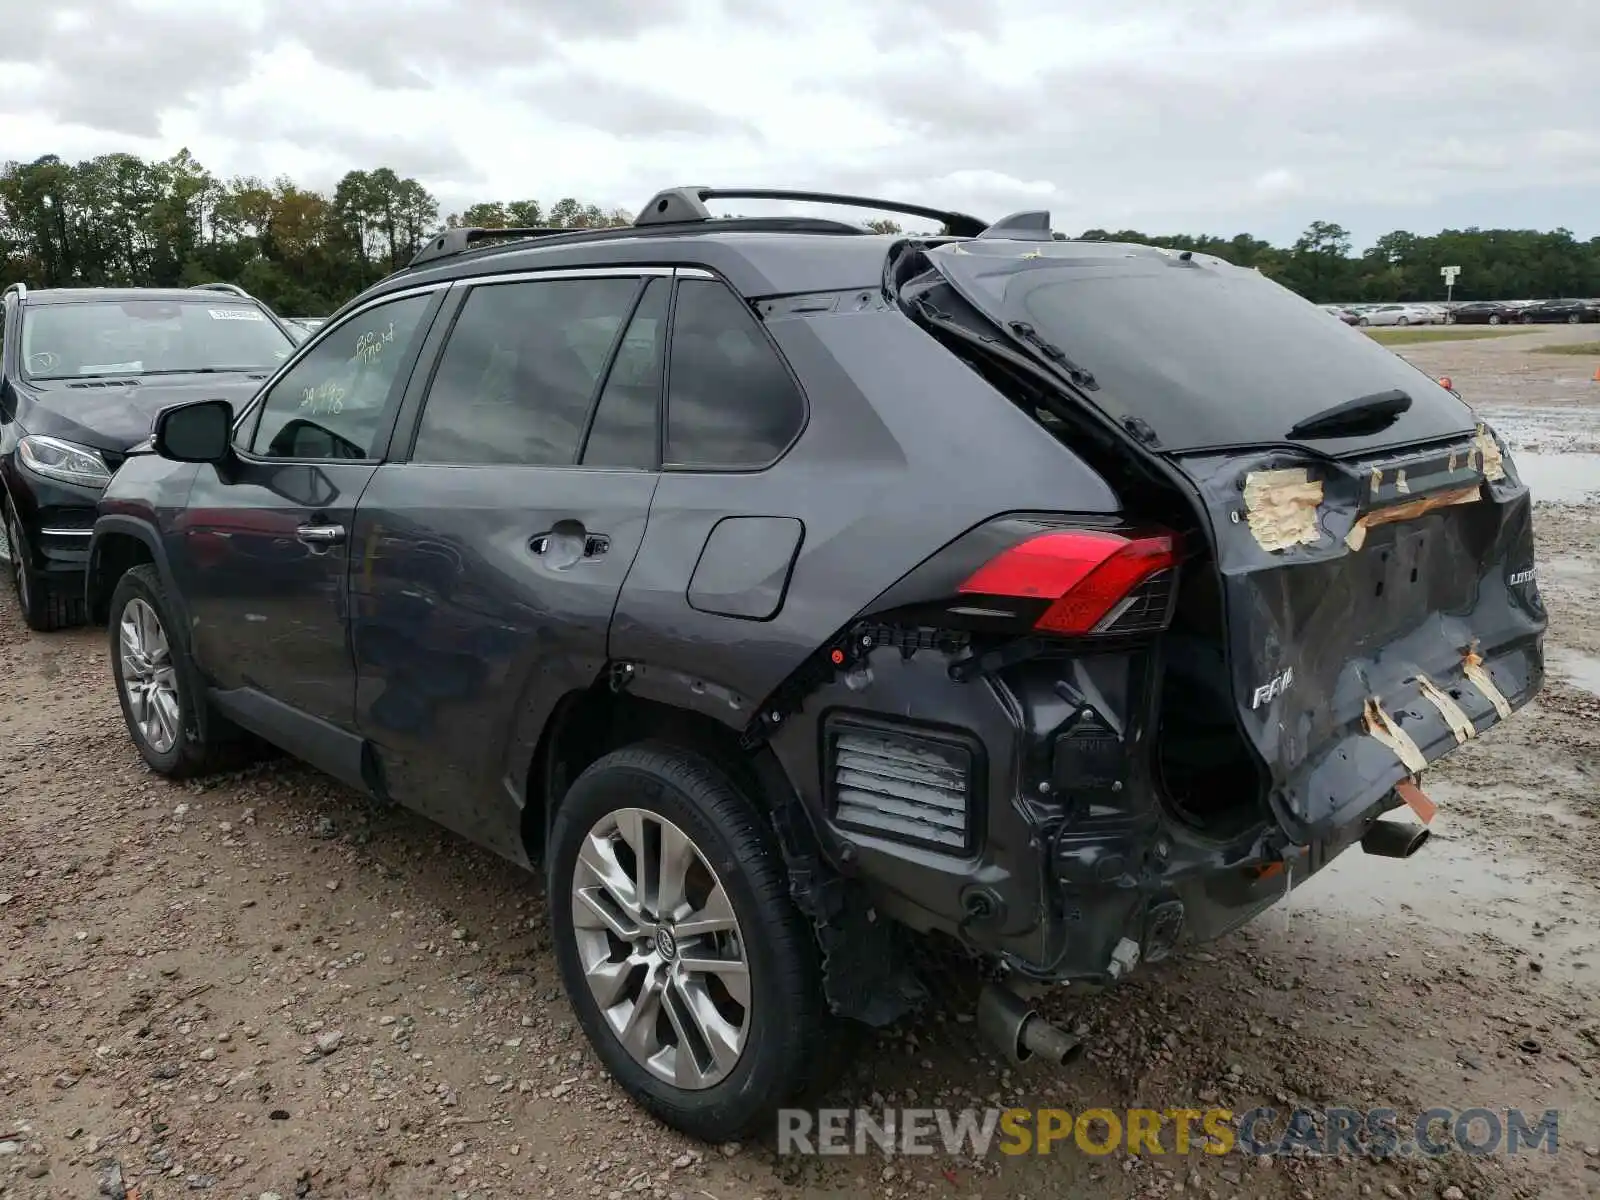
(1379, 613)
(1360, 599)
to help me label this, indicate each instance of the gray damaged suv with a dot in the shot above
(800, 599)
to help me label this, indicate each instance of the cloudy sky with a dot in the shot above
(1160, 115)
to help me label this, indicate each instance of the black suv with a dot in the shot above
(805, 600)
(83, 371)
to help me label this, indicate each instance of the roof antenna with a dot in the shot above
(1030, 226)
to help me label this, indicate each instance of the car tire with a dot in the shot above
(776, 1043)
(44, 610)
(1494, 319)
(1402, 321)
(1574, 319)
(193, 738)
(1363, 322)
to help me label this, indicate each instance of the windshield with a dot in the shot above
(1206, 353)
(149, 337)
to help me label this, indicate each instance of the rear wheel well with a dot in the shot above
(586, 725)
(867, 976)
(115, 554)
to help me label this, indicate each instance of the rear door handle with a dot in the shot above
(594, 544)
(321, 535)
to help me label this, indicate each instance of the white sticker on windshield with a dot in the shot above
(110, 368)
(235, 314)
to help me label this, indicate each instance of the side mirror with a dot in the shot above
(198, 432)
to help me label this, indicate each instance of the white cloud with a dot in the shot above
(1156, 114)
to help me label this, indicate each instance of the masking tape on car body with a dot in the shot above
(1386, 730)
(1472, 667)
(1460, 724)
(1281, 507)
(1410, 510)
(1494, 464)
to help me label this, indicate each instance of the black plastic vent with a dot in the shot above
(1146, 609)
(103, 383)
(906, 785)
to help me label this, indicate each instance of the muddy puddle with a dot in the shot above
(1560, 478)
(1575, 667)
(1557, 450)
(1544, 429)
(1459, 884)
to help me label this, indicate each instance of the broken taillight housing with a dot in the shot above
(1086, 581)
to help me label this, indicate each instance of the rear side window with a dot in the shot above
(520, 370)
(624, 429)
(731, 402)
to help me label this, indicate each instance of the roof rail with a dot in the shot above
(685, 204)
(20, 288)
(233, 289)
(456, 241)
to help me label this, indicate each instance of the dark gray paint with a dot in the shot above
(744, 567)
(463, 634)
(267, 610)
(875, 503)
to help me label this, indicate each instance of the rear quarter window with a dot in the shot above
(731, 401)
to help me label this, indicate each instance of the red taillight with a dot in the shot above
(1091, 578)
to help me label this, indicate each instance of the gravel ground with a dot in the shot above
(262, 986)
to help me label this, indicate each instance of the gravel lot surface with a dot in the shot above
(261, 986)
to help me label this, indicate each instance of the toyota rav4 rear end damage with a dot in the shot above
(1073, 739)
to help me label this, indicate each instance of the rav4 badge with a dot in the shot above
(1273, 688)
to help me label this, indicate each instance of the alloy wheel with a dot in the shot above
(149, 678)
(661, 949)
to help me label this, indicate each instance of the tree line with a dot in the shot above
(120, 220)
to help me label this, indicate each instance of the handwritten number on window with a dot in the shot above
(370, 344)
(317, 401)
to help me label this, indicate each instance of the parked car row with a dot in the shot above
(1470, 312)
(635, 555)
(1389, 314)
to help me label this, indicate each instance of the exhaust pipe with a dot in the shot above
(1394, 839)
(1018, 1032)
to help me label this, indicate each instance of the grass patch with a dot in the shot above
(1587, 349)
(1439, 333)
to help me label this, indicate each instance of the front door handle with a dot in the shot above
(321, 535)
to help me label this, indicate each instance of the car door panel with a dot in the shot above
(264, 540)
(269, 607)
(461, 626)
(487, 569)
